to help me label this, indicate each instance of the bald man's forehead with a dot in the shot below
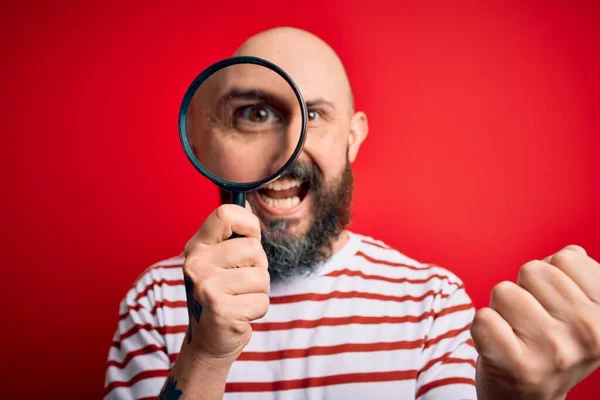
(317, 83)
(312, 64)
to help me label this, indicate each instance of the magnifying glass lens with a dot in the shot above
(244, 123)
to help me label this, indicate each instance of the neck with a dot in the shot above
(339, 243)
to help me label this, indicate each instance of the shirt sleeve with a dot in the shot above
(138, 362)
(449, 357)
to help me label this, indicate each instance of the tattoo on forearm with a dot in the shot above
(170, 391)
(194, 309)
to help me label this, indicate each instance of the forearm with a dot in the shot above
(195, 377)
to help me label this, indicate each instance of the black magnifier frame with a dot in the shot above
(237, 189)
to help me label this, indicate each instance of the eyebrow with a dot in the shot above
(320, 102)
(250, 94)
(255, 94)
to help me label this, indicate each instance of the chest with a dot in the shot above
(343, 347)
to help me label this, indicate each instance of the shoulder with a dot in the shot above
(440, 293)
(392, 261)
(156, 282)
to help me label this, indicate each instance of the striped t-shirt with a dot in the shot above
(371, 323)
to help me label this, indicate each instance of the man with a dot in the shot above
(301, 308)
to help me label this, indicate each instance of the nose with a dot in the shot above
(283, 144)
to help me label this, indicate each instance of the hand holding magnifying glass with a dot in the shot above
(242, 123)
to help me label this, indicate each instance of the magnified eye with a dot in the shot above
(257, 113)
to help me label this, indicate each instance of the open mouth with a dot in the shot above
(284, 193)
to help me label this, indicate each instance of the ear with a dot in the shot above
(359, 129)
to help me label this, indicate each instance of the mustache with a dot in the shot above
(305, 172)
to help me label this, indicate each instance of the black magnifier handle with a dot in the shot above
(238, 198)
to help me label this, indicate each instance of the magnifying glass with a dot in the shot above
(242, 122)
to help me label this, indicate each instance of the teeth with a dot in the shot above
(281, 203)
(283, 184)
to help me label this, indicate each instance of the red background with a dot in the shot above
(482, 153)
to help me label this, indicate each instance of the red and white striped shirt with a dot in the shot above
(371, 323)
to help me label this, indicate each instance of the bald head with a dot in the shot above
(312, 63)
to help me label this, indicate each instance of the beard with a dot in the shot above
(291, 255)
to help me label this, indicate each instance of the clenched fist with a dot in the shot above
(227, 283)
(540, 336)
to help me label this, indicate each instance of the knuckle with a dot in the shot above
(266, 276)
(239, 327)
(264, 280)
(483, 330)
(259, 280)
(223, 213)
(564, 256)
(501, 290)
(189, 246)
(531, 271)
(482, 319)
(263, 304)
(193, 246)
(576, 248)
(264, 259)
(254, 247)
(207, 293)
(563, 358)
(189, 269)
(255, 222)
(192, 263)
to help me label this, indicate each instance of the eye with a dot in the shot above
(257, 113)
(313, 115)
